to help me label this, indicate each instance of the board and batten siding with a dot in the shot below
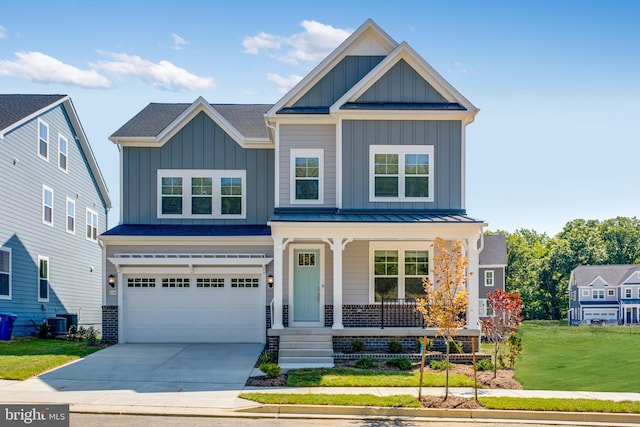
(338, 81)
(444, 135)
(200, 144)
(308, 137)
(355, 273)
(75, 263)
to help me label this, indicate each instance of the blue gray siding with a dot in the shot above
(338, 81)
(444, 135)
(308, 137)
(200, 144)
(498, 280)
(401, 84)
(75, 263)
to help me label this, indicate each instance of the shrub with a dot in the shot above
(266, 357)
(394, 346)
(357, 346)
(44, 330)
(485, 365)
(438, 365)
(91, 336)
(420, 341)
(514, 344)
(401, 363)
(72, 333)
(456, 347)
(271, 370)
(366, 363)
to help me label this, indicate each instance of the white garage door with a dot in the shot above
(601, 314)
(220, 308)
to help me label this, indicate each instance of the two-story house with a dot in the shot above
(53, 206)
(311, 216)
(604, 294)
(491, 272)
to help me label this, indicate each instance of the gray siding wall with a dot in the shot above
(498, 280)
(444, 135)
(75, 263)
(201, 144)
(309, 137)
(338, 81)
(355, 271)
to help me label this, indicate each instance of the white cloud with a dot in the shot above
(163, 75)
(309, 46)
(38, 67)
(178, 42)
(284, 83)
(3, 32)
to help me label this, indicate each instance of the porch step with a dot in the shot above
(302, 349)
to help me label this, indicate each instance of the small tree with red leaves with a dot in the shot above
(504, 320)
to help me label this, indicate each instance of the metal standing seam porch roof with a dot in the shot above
(377, 216)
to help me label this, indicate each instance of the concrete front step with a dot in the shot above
(307, 338)
(306, 352)
(295, 345)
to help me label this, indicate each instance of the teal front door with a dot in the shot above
(307, 292)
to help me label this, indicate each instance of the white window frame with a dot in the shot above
(489, 276)
(71, 202)
(482, 307)
(216, 175)
(401, 151)
(297, 153)
(597, 294)
(611, 292)
(585, 292)
(8, 273)
(61, 138)
(92, 224)
(628, 291)
(46, 140)
(46, 189)
(48, 278)
(401, 247)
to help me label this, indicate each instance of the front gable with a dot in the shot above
(598, 282)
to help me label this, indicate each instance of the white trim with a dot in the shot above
(9, 273)
(44, 258)
(44, 205)
(292, 247)
(463, 166)
(47, 141)
(585, 293)
(310, 153)
(91, 214)
(597, 292)
(339, 164)
(486, 277)
(276, 161)
(75, 222)
(401, 151)
(128, 259)
(60, 153)
(216, 197)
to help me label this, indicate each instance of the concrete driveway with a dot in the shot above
(159, 375)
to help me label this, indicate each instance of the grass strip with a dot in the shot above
(400, 401)
(561, 405)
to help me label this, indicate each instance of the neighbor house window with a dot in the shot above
(201, 194)
(63, 153)
(47, 205)
(488, 278)
(611, 292)
(598, 294)
(627, 293)
(43, 140)
(71, 216)
(306, 176)
(398, 271)
(585, 292)
(482, 307)
(5, 273)
(43, 279)
(401, 173)
(92, 225)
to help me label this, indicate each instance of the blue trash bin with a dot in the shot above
(6, 325)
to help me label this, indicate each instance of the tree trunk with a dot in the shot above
(446, 381)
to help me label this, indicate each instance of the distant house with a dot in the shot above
(493, 262)
(604, 294)
(53, 207)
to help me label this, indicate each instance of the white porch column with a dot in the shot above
(337, 245)
(278, 285)
(473, 282)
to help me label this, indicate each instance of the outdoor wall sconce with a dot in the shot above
(111, 280)
(270, 280)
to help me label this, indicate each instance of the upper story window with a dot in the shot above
(488, 278)
(43, 279)
(306, 176)
(598, 294)
(585, 292)
(627, 293)
(611, 292)
(47, 205)
(5, 273)
(401, 173)
(71, 216)
(201, 193)
(63, 153)
(92, 225)
(43, 140)
(397, 272)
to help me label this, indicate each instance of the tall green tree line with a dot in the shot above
(539, 266)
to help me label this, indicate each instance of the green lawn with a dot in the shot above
(22, 358)
(591, 358)
(399, 401)
(352, 377)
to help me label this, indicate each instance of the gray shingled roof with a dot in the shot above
(248, 119)
(612, 274)
(495, 250)
(14, 108)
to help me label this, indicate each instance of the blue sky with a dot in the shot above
(557, 137)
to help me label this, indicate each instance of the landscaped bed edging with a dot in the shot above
(463, 359)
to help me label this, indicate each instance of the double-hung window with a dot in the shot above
(627, 293)
(47, 205)
(488, 277)
(397, 270)
(5, 273)
(71, 216)
(43, 279)
(402, 173)
(92, 225)
(307, 176)
(598, 294)
(191, 193)
(63, 153)
(43, 140)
